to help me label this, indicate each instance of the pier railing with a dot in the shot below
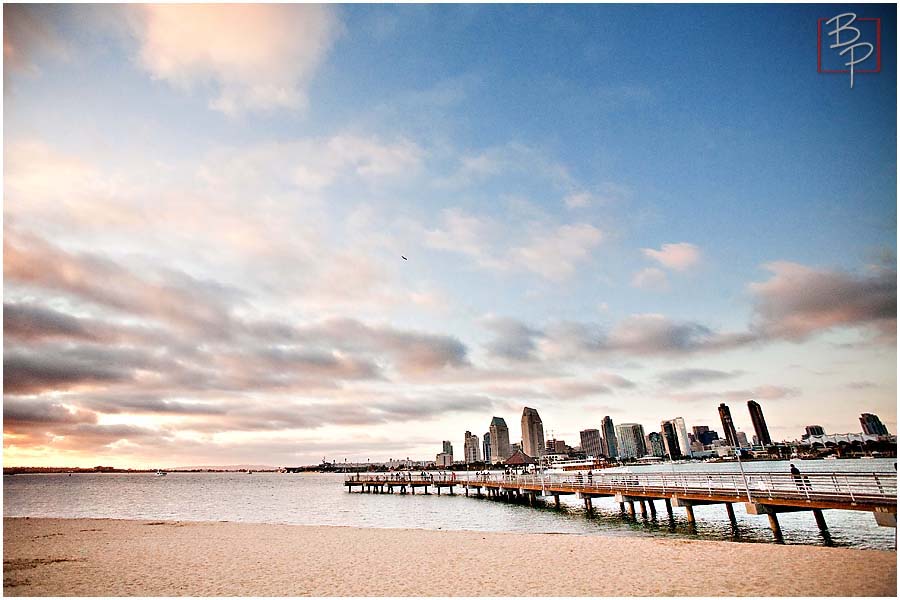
(851, 486)
(877, 488)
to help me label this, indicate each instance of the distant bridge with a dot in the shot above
(761, 493)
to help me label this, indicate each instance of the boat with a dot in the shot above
(160, 473)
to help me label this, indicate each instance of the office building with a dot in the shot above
(470, 448)
(532, 433)
(655, 445)
(443, 460)
(499, 440)
(486, 448)
(742, 440)
(684, 443)
(759, 423)
(448, 449)
(590, 442)
(630, 440)
(556, 447)
(872, 425)
(728, 424)
(669, 436)
(814, 430)
(609, 446)
(699, 430)
(708, 437)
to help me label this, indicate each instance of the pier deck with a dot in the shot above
(762, 493)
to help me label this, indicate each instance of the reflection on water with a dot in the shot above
(321, 499)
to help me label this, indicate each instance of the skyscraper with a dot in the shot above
(655, 445)
(499, 440)
(728, 425)
(631, 440)
(486, 448)
(670, 440)
(448, 449)
(684, 444)
(759, 423)
(609, 446)
(699, 430)
(590, 442)
(742, 440)
(872, 425)
(532, 433)
(470, 448)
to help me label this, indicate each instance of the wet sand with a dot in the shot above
(104, 557)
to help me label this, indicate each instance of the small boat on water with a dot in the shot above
(160, 473)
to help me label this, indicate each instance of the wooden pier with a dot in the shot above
(761, 493)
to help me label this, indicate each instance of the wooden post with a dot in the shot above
(556, 498)
(690, 514)
(669, 507)
(820, 519)
(439, 490)
(652, 509)
(631, 508)
(776, 528)
(643, 510)
(730, 509)
(530, 499)
(622, 507)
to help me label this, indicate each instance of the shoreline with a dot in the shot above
(111, 557)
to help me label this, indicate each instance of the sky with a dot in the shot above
(273, 234)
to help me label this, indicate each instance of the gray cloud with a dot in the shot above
(28, 322)
(513, 340)
(798, 301)
(688, 377)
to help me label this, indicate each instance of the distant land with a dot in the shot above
(103, 469)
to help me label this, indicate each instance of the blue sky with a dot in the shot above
(639, 211)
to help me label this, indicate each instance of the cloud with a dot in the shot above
(555, 254)
(688, 377)
(28, 36)
(255, 57)
(678, 257)
(797, 301)
(650, 278)
(513, 340)
(552, 251)
(28, 322)
(761, 392)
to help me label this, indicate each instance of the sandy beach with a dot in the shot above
(103, 557)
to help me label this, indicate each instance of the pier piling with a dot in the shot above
(652, 509)
(820, 520)
(690, 514)
(669, 508)
(730, 510)
(643, 510)
(776, 528)
(631, 508)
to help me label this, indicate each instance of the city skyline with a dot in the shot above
(277, 232)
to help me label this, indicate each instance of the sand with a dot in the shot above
(104, 557)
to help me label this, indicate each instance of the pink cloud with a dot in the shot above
(678, 257)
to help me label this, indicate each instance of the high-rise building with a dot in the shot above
(669, 437)
(609, 446)
(470, 448)
(728, 425)
(742, 440)
(486, 448)
(532, 433)
(684, 444)
(443, 460)
(759, 423)
(557, 447)
(699, 430)
(499, 440)
(631, 440)
(708, 437)
(814, 430)
(448, 449)
(872, 425)
(655, 445)
(590, 442)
